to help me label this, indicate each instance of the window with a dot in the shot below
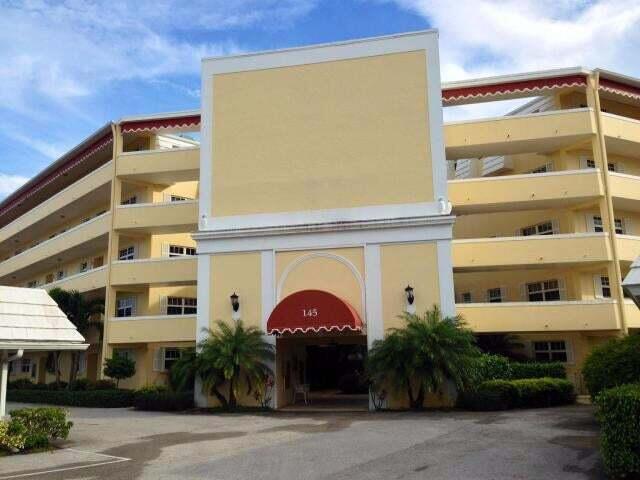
(546, 291)
(494, 295)
(180, 251)
(84, 266)
(466, 297)
(598, 226)
(547, 167)
(32, 284)
(82, 362)
(602, 286)
(550, 351)
(170, 357)
(178, 198)
(128, 253)
(181, 306)
(126, 307)
(590, 163)
(25, 365)
(130, 201)
(125, 353)
(545, 228)
(59, 274)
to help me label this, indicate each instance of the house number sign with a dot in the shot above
(309, 312)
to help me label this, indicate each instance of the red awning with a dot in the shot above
(313, 311)
(185, 122)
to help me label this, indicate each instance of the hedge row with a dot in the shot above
(77, 385)
(619, 415)
(162, 400)
(112, 398)
(497, 367)
(614, 363)
(522, 393)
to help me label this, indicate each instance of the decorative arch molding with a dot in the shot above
(332, 256)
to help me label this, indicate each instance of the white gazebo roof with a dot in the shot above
(31, 320)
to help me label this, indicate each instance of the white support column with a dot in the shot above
(445, 272)
(373, 298)
(202, 318)
(4, 378)
(268, 271)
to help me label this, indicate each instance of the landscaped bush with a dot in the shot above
(90, 398)
(33, 428)
(521, 370)
(543, 392)
(619, 415)
(491, 367)
(103, 385)
(160, 399)
(612, 364)
(523, 393)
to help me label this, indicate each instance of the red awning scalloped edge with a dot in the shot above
(186, 122)
(618, 88)
(450, 95)
(73, 162)
(313, 311)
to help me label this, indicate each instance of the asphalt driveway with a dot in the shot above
(124, 444)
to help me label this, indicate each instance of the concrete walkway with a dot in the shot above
(558, 443)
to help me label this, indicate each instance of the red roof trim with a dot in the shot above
(313, 311)
(82, 155)
(523, 86)
(619, 88)
(190, 121)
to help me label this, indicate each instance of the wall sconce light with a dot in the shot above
(235, 306)
(410, 297)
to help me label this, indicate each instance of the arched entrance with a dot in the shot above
(321, 348)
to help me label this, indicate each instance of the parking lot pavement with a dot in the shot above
(124, 444)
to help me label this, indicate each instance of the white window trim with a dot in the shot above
(568, 349)
(126, 255)
(124, 303)
(561, 290)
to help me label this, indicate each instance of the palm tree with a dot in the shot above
(423, 355)
(182, 374)
(81, 312)
(232, 353)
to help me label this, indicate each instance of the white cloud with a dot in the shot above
(62, 51)
(491, 37)
(9, 183)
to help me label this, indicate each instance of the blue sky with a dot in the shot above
(69, 67)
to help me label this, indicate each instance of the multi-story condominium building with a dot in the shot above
(316, 184)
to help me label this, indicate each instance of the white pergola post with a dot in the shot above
(4, 379)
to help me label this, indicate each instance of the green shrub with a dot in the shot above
(89, 398)
(491, 395)
(619, 415)
(614, 363)
(521, 370)
(162, 400)
(543, 392)
(33, 428)
(119, 367)
(491, 367)
(523, 393)
(21, 383)
(103, 385)
(80, 384)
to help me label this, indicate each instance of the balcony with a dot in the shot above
(622, 134)
(563, 316)
(525, 192)
(158, 218)
(625, 190)
(76, 242)
(82, 282)
(628, 247)
(92, 189)
(632, 314)
(160, 166)
(159, 271)
(536, 250)
(147, 329)
(537, 132)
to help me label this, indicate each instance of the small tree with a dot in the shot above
(119, 367)
(182, 375)
(231, 353)
(423, 355)
(613, 363)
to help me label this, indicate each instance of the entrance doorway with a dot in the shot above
(322, 372)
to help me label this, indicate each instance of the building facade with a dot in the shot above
(322, 179)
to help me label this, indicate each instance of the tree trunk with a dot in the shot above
(74, 368)
(221, 398)
(57, 366)
(410, 392)
(419, 405)
(232, 395)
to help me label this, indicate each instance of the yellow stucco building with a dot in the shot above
(317, 184)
